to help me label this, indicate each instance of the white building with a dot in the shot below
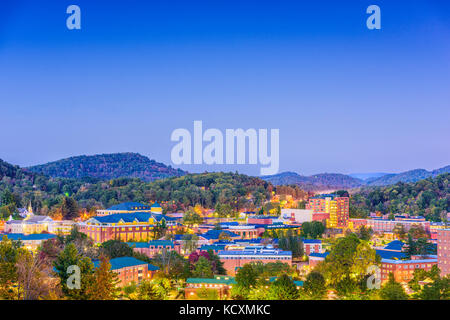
(297, 215)
(29, 225)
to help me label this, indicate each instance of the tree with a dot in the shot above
(115, 249)
(438, 288)
(9, 253)
(70, 257)
(207, 294)
(104, 284)
(315, 286)
(202, 268)
(171, 263)
(364, 233)
(246, 279)
(33, 275)
(283, 288)
(393, 290)
(313, 229)
(69, 208)
(190, 242)
(347, 264)
(147, 291)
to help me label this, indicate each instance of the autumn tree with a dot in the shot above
(104, 284)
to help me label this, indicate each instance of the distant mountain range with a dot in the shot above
(108, 166)
(407, 176)
(368, 175)
(134, 165)
(317, 182)
(335, 181)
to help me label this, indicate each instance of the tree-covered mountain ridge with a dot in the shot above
(108, 166)
(330, 181)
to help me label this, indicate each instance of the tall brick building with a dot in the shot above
(443, 251)
(335, 209)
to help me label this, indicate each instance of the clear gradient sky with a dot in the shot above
(346, 99)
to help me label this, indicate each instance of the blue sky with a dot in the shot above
(345, 98)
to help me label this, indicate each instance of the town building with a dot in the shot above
(153, 247)
(126, 207)
(130, 270)
(221, 284)
(312, 246)
(381, 225)
(403, 270)
(329, 207)
(297, 215)
(128, 227)
(63, 227)
(31, 224)
(316, 257)
(29, 241)
(234, 259)
(443, 250)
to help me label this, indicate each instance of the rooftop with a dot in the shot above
(124, 262)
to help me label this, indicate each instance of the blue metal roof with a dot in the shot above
(126, 217)
(124, 262)
(396, 245)
(312, 241)
(319, 255)
(214, 234)
(23, 237)
(386, 254)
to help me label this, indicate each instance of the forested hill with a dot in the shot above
(317, 182)
(108, 166)
(49, 196)
(407, 176)
(14, 174)
(428, 197)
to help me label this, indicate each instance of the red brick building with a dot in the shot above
(154, 247)
(443, 251)
(403, 270)
(234, 259)
(130, 270)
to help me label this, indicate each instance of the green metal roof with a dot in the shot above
(216, 280)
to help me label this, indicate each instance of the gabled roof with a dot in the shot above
(388, 254)
(125, 217)
(395, 245)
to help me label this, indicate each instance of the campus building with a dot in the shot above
(151, 248)
(128, 227)
(443, 251)
(130, 269)
(29, 241)
(329, 207)
(403, 270)
(234, 259)
(387, 226)
(312, 246)
(126, 207)
(221, 284)
(31, 224)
